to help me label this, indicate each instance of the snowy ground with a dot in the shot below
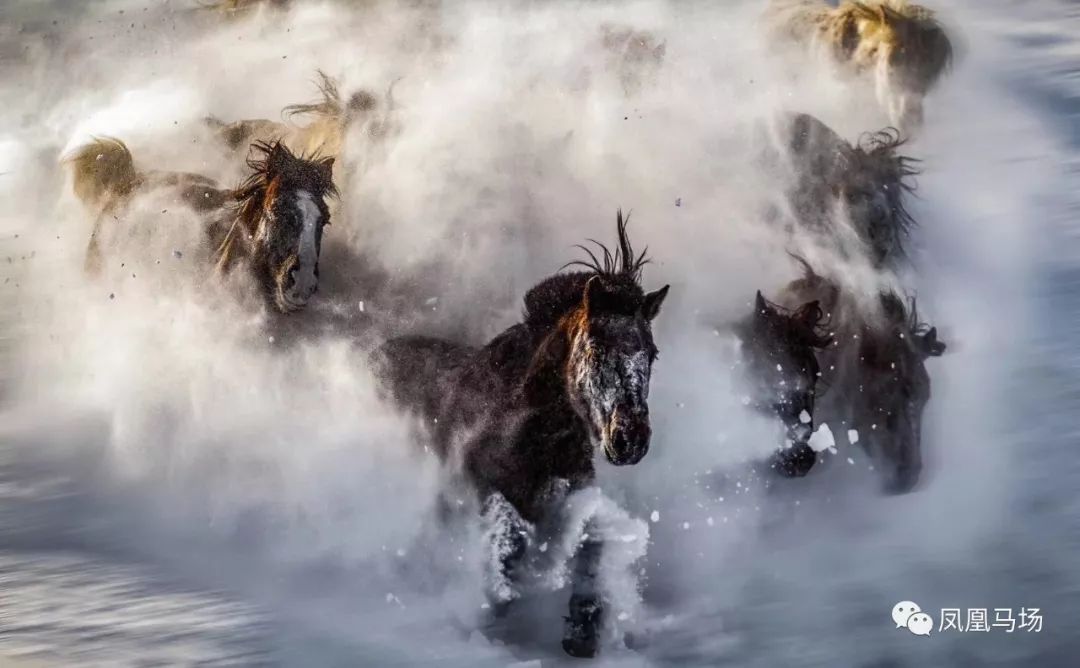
(175, 490)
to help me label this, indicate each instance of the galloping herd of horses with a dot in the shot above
(518, 420)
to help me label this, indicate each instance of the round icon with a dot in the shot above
(920, 624)
(902, 610)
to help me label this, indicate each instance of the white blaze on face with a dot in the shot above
(307, 255)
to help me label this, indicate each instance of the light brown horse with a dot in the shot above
(899, 43)
(324, 134)
(273, 223)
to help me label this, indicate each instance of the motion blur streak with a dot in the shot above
(177, 487)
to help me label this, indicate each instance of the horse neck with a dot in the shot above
(554, 427)
(546, 384)
(544, 380)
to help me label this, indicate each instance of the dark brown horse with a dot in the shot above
(278, 227)
(272, 223)
(522, 416)
(865, 185)
(875, 374)
(781, 368)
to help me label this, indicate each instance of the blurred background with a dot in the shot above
(180, 484)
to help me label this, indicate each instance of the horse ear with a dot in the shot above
(653, 301)
(277, 158)
(931, 346)
(759, 302)
(326, 170)
(594, 291)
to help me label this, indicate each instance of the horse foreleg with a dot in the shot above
(794, 462)
(797, 460)
(507, 540)
(581, 635)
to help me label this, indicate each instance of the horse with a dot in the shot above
(875, 374)
(901, 43)
(273, 222)
(324, 135)
(519, 419)
(780, 365)
(867, 184)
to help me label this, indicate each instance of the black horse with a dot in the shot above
(521, 417)
(855, 196)
(781, 368)
(875, 374)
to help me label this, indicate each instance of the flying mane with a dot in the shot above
(331, 105)
(877, 153)
(556, 296)
(268, 162)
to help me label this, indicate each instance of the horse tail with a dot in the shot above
(103, 172)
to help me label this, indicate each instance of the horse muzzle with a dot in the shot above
(295, 289)
(627, 440)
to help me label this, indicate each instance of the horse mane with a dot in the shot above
(263, 171)
(622, 263)
(877, 152)
(806, 324)
(920, 25)
(898, 312)
(557, 295)
(331, 105)
(269, 161)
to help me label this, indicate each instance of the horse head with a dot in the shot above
(283, 212)
(914, 52)
(873, 182)
(611, 352)
(895, 390)
(782, 364)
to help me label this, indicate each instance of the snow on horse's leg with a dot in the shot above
(507, 537)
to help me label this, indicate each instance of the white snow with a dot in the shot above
(853, 436)
(822, 438)
(804, 417)
(655, 517)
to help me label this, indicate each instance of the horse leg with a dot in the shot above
(507, 540)
(794, 462)
(581, 635)
(797, 460)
